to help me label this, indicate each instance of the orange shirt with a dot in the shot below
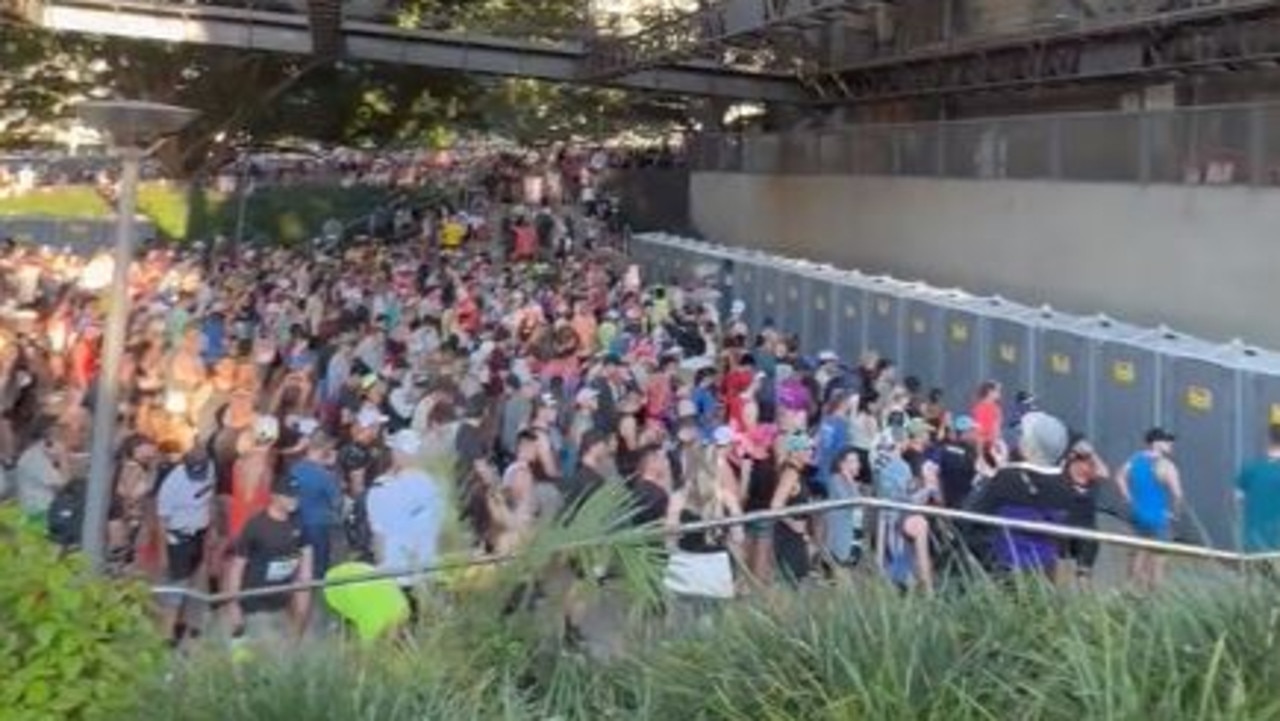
(988, 416)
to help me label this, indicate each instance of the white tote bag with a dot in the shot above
(704, 575)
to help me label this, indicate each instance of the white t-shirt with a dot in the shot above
(183, 503)
(406, 512)
(36, 480)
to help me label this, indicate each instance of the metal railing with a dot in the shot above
(1229, 145)
(643, 535)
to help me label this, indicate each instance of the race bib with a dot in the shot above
(281, 570)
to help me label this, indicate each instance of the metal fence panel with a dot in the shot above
(834, 154)
(871, 150)
(1102, 147)
(916, 149)
(1201, 407)
(761, 153)
(1204, 146)
(1028, 148)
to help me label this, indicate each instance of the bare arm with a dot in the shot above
(550, 464)
(1122, 484)
(300, 603)
(1172, 481)
(233, 575)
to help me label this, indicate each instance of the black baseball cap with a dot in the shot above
(1158, 435)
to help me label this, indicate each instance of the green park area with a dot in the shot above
(285, 214)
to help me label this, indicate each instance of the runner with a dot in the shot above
(270, 551)
(1152, 488)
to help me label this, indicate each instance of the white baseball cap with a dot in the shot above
(828, 356)
(369, 417)
(405, 442)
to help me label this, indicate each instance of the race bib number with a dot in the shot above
(281, 570)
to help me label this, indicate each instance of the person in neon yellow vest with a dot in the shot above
(373, 609)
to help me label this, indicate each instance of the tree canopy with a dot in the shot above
(267, 96)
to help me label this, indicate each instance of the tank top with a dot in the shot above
(1150, 503)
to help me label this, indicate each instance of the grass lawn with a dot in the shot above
(287, 214)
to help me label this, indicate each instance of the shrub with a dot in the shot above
(72, 645)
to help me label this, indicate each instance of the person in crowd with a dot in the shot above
(792, 535)
(1031, 489)
(319, 498)
(406, 512)
(184, 506)
(841, 528)
(1258, 491)
(1151, 486)
(271, 551)
(1085, 472)
(988, 414)
(958, 461)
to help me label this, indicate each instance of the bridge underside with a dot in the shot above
(293, 33)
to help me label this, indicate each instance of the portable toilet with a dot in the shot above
(1200, 402)
(885, 305)
(1063, 369)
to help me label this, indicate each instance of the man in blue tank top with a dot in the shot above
(1152, 488)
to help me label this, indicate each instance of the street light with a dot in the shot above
(133, 127)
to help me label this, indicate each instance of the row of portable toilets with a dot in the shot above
(1109, 379)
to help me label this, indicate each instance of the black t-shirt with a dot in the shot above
(469, 446)
(649, 501)
(762, 484)
(580, 486)
(915, 459)
(354, 456)
(272, 550)
(957, 465)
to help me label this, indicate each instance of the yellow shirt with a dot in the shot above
(451, 234)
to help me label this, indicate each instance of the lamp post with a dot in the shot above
(133, 128)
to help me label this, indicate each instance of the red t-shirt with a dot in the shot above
(989, 419)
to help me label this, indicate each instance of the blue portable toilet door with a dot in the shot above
(1009, 360)
(793, 291)
(819, 316)
(923, 341)
(1125, 390)
(746, 280)
(850, 322)
(884, 324)
(1063, 378)
(962, 357)
(1201, 408)
(770, 298)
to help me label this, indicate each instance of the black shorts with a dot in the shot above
(186, 553)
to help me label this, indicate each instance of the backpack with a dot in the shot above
(65, 517)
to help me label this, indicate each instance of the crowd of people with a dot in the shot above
(288, 415)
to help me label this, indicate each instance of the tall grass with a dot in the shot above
(838, 653)
(855, 650)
